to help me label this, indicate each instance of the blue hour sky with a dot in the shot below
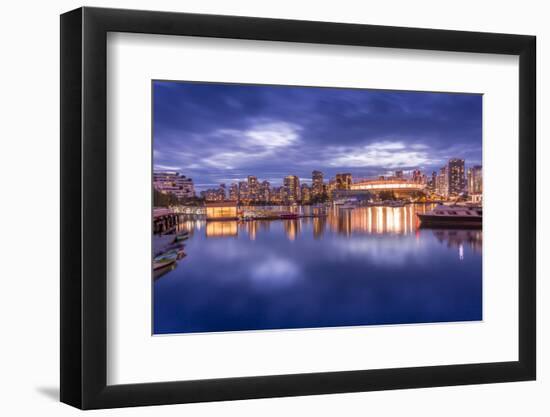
(220, 133)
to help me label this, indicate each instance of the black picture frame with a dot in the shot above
(84, 207)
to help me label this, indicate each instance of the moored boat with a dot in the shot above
(181, 237)
(452, 216)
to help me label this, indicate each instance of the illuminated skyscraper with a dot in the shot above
(292, 185)
(305, 193)
(234, 192)
(456, 176)
(264, 191)
(442, 182)
(317, 183)
(475, 180)
(253, 188)
(417, 176)
(243, 192)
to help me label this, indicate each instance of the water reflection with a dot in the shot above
(338, 267)
(367, 220)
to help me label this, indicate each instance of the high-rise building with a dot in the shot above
(234, 192)
(243, 192)
(253, 188)
(456, 176)
(398, 174)
(305, 193)
(292, 185)
(433, 181)
(417, 176)
(442, 182)
(343, 181)
(475, 180)
(264, 191)
(169, 182)
(316, 183)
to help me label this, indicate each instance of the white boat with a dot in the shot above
(452, 216)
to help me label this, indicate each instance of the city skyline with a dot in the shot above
(222, 133)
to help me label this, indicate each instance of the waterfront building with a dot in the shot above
(442, 182)
(343, 181)
(305, 194)
(283, 194)
(214, 194)
(317, 183)
(264, 191)
(170, 182)
(417, 176)
(456, 176)
(253, 188)
(400, 187)
(292, 184)
(475, 180)
(432, 182)
(221, 210)
(243, 192)
(475, 184)
(275, 195)
(234, 192)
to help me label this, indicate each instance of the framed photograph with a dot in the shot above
(258, 208)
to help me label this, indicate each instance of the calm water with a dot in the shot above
(364, 266)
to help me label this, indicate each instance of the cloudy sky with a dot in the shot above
(218, 133)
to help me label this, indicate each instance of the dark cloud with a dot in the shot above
(224, 132)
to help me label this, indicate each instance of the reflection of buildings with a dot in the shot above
(459, 238)
(221, 229)
(292, 228)
(221, 210)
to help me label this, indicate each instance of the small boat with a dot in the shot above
(160, 270)
(181, 237)
(288, 216)
(166, 256)
(159, 264)
(452, 216)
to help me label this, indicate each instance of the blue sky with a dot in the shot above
(218, 133)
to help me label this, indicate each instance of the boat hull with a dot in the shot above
(450, 221)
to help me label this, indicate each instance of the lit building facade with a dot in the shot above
(292, 184)
(253, 188)
(305, 193)
(475, 180)
(265, 191)
(317, 183)
(457, 180)
(169, 182)
(442, 182)
(223, 210)
(343, 181)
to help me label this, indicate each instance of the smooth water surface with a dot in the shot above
(361, 266)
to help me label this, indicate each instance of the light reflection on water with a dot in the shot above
(362, 266)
